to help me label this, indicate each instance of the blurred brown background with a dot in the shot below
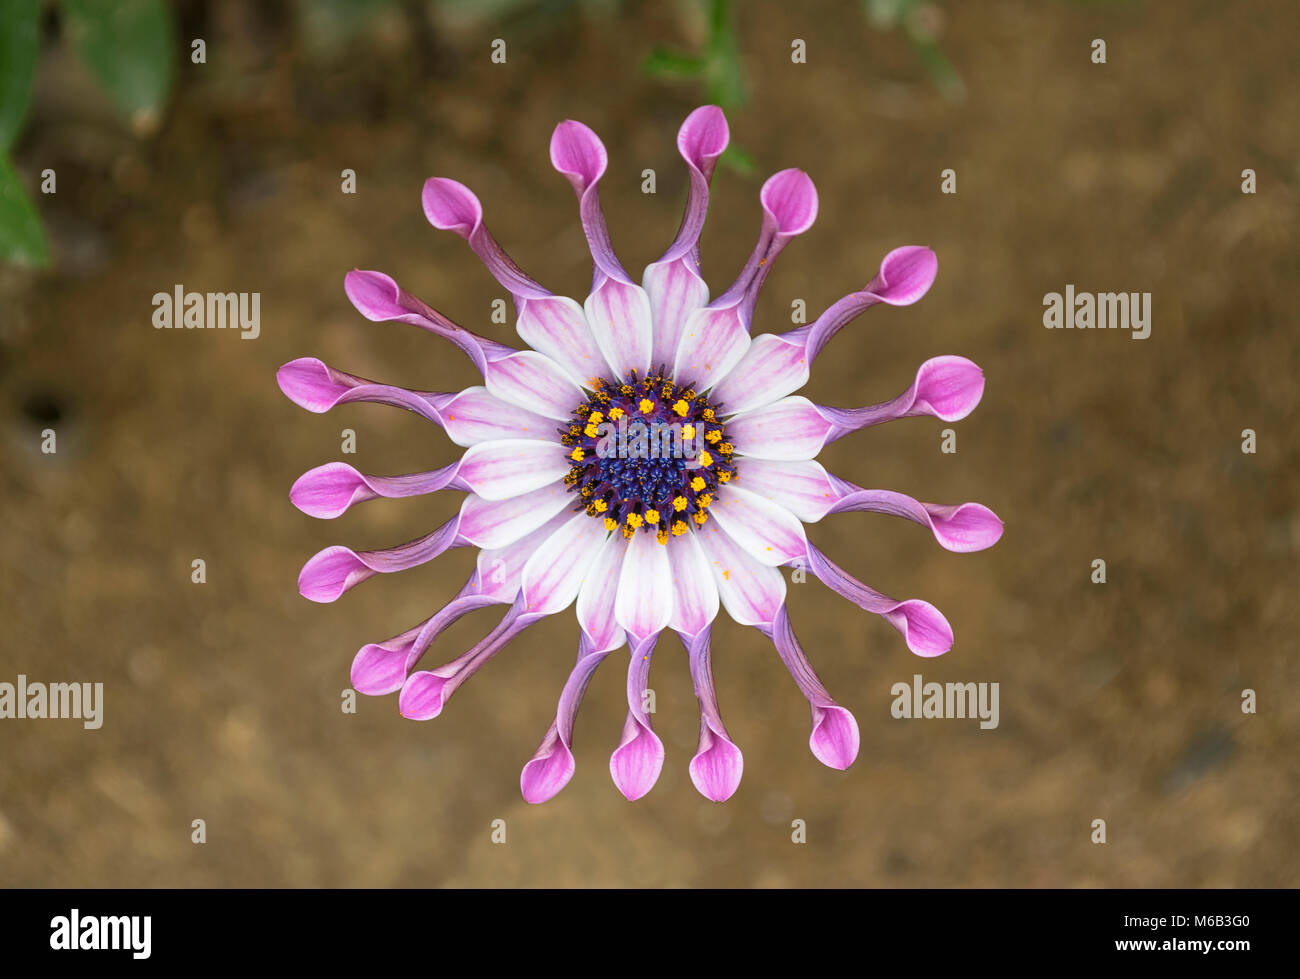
(1118, 701)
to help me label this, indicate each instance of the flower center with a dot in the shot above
(647, 454)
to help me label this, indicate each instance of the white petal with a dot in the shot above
(752, 593)
(695, 596)
(534, 381)
(501, 569)
(770, 369)
(557, 327)
(645, 587)
(511, 467)
(791, 429)
(713, 342)
(485, 523)
(475, 415)
(554, 574)
(675, 291)
(596, 600)
(804, 488)
(770, 533)
(620, 320)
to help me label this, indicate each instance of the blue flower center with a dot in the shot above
(647, 454)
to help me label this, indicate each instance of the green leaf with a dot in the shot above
(664, 62)
(19, 35)
(130, 46)
(738, 159)
(21, 239)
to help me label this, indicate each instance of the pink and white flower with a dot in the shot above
(638, 543)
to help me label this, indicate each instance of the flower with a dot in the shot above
(566, 510)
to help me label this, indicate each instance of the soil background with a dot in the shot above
(1119, 701)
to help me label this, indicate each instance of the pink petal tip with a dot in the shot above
(791, 199)
(834, 740)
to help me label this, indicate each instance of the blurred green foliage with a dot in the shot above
(21, 238)
(918, 21)
(717, 68)
(128, 45)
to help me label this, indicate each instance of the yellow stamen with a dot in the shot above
(646, 406)
(705, 499)
(615, 413)
(634, 520)
(590, 431)
(681, 407)
(576, 455)
(706, 459)
(714, 435)
(708, 414)
(600, 505)
(652, 517)
(679, 503)
(596, 418)
(697, 484)
(679, 528)
(661, 535)
(688, 431)
(611, 523)
(629, 531)
(724, 477)
(585, 491)
(726, 448)
(700, 518)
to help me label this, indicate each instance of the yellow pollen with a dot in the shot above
(634, 520)
(724, 477)
(590, 430)
(700, 517)
(615, 413)
(585, 491)
(596, 418)
(697, 484)
(708, 414)
(576, 455)
(661, 535)
(681, 407)
(679, 528)
(679, 503)
(611, 523)
(726, 448)
(652, 517)
(646, 406)
(705, 499)
(628, 531)
(714, 435)
(688, 431)
(600, 505)
(706, 459)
